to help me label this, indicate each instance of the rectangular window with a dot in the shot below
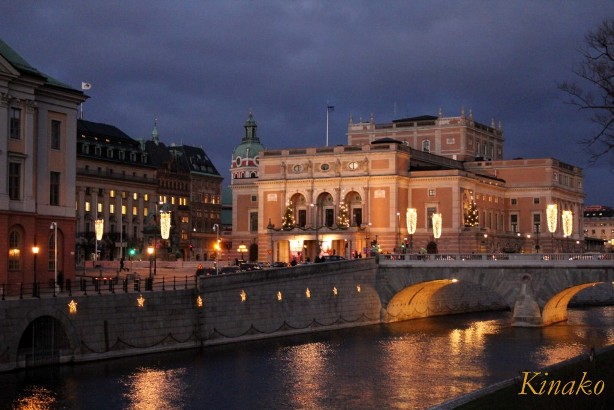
(135, 211)
(431, 192)
(536, 201)
(357, 216)
(253, 221)
(54, 188)
(429, 217)
(56, 132)
(14, 180)
(88, 206)
(514, 201)
(514, 222)
(537, 221)
(329, 216)
(15, 123)
(99, 207)
(302, 218)
(111, 209)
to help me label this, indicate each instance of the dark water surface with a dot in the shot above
(414, 364)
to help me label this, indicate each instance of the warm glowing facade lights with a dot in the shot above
(199, 301)
(411, 218)
(140, 301)
(567, 218)
(72, 307)
(437, 222)
(335, 291)
(99, 227)
(243, 296)
(358, 288)
(308, 293)
(551, 215)
(279, 296)
(165, 224)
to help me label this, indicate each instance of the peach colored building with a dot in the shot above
(348, 200)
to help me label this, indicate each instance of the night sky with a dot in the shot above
(200, 67)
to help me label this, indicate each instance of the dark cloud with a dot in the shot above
(201, 66)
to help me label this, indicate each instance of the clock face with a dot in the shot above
(297, 168)
(353, 165)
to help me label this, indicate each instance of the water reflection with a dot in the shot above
(149, 388)
(413, 364)
(35, 398)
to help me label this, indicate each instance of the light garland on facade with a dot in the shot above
(411, 217)
(99, 227)
(165, 224)
(567, 218)
(551, 215)
(437, 222)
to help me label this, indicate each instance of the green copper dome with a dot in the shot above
(249, 147)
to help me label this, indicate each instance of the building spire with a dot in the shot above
(154, 133)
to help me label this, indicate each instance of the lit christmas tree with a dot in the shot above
(343, 219)
(472, 216)
(287, 221)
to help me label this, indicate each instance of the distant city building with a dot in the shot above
(38, 125)
(127, 183)
(117, 184)
(599, 225)
(351, 200)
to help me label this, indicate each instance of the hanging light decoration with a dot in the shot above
(99, 227)
(437, 225)
(165, 224)
(411, 217)
(567, 218)
(551, 215)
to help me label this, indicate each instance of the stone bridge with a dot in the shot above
(537, 291)
(279, 302)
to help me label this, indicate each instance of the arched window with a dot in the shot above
(426, 146)
(15, 246)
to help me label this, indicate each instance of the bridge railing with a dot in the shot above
(498, 256)
(86, 285)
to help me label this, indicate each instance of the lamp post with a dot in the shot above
(411, 217)
(398, 230)
(216, 228)
(242, 248)
(35, 250)
(315, 208)
(54, 227)
(150, 251)
(551, 216)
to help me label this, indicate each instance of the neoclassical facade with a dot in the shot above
(349, 200)
(38, 117)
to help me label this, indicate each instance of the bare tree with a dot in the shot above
(596, 70)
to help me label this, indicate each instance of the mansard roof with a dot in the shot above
(106, 131)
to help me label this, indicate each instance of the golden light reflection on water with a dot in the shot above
(156, 389)
(36, 398)
(457, 354)
(306, 365)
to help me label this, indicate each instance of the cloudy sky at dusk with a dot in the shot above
(202, 66)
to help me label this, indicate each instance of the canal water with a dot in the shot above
(414, 364)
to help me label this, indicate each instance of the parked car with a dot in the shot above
(332, 258)
(230, 269)
(279, 264)
(249, 266)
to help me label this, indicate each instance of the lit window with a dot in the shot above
(14, 250)
(431, 192)
(15, 123)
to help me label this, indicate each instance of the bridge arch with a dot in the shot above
(555, 309)
(45, 335)
(441, 297)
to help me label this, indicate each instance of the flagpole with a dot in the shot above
(327, 111)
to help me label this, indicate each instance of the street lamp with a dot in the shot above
(216, 228)
(35, 250)
(399, 230)
(54, 227)
(411, 218)
(242, 248)
(150, 251)
(551, 217)
(315, 208)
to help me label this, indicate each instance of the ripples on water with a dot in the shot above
(413, 364)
